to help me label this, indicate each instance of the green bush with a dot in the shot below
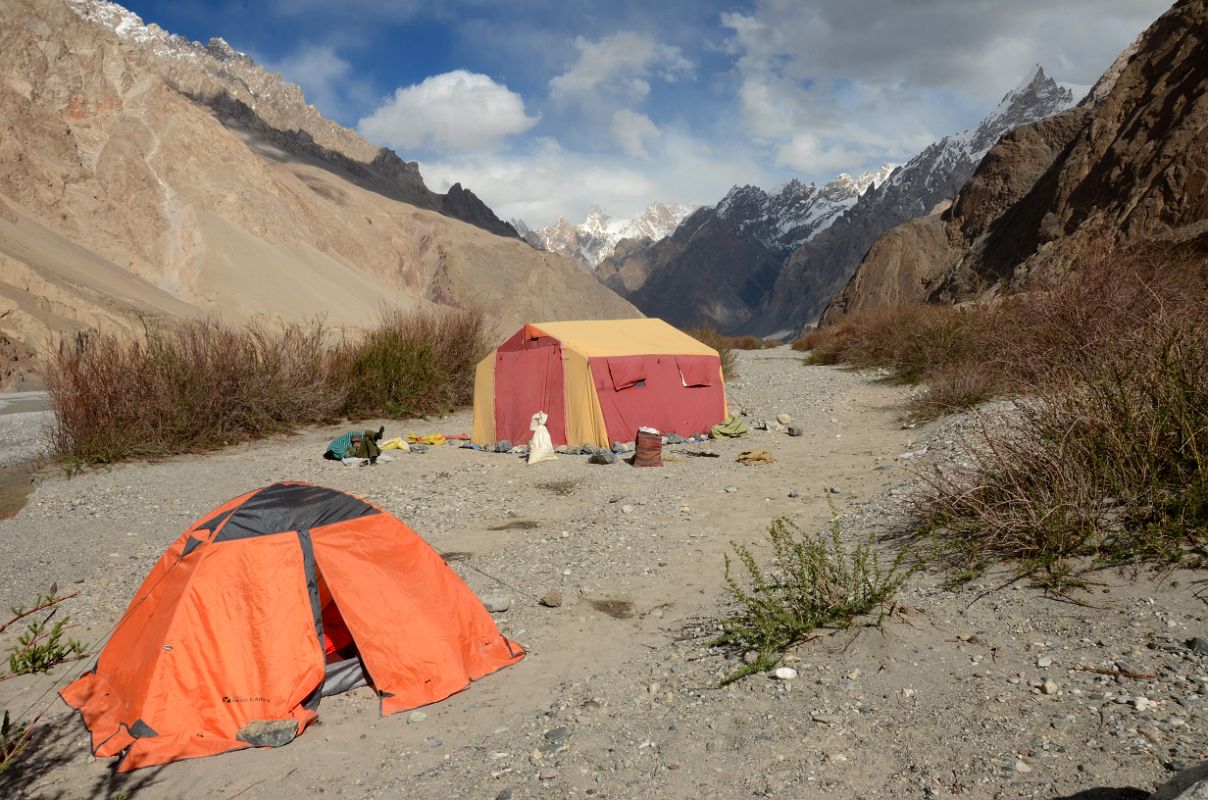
(412, 364)
(814, 582)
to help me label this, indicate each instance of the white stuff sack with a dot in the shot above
(541, 447)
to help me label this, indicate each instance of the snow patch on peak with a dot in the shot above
(597, 238)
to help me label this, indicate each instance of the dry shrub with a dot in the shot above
(197, 386)
(747, 343)
(201, 385)
(719, 342)
(414, 363)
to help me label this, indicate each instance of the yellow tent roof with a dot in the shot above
(623, 337)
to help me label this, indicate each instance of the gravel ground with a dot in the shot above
(989, 691)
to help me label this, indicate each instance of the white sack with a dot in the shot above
(541, 447)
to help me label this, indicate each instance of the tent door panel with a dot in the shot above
(528, 381)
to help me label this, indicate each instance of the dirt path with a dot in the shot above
(614, 699)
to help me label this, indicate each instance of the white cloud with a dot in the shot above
(622, 64)
(326, 78)
(548, 181)
(453, 111)
(632, 132)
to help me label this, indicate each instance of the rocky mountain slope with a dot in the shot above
(820, 267)
(597, 237)
(1129, 164)
(148, 177)
(722, 260)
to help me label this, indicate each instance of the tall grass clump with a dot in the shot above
(196, 386)
(814, 581)
(1111, 468)
(200, 386)
(414, 363)
(721, 343)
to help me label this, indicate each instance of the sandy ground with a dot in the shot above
(619, 695)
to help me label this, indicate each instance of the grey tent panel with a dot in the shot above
(343, 676)
(290, 507)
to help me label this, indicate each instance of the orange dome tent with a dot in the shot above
(274, 600)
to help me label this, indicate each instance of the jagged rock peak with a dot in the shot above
(598, 236)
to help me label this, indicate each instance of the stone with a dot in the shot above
(552, 600)
(547, 774)
(793, 493)
(268, 732)
(825, 719)
(1199, 646)
(1022, 766)
(794, 430)
(785, 673)
(1049, 687)
(497, 604)
(557, 734)
(627, 509)
(674, 438)
(603, 457)
(835, 490)
(784, 419)
(731, 489)
(506, 794)
(1189, 784)
(1044, 662)
(504, 446)
(416, 717)
(1142, 703)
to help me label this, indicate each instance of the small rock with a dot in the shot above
(506, 794)
(834, 490)
(268, 732)
(1049, 687)
(793, 493)
(416, 717)
(1142, 703)
(504, 446)
(784, 419)
(731, 489)
(785, 673)
(825, 719)
(1044, 662)
(627, 509)
(547, 774)
(686, 509)
(557, 734)
(604, 457)
(1199, 646)
(497, 604)
(1021, 766)
(552, 600)
(794, 430)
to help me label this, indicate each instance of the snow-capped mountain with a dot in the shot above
(597, 238)
(822, 266)
(766, 263)
(794, 212)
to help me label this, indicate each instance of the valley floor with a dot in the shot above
(619, 697)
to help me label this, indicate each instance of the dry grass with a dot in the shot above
(721, 343)
(201, 385)
(1107, 459)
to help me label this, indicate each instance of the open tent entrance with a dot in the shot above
(344, 668)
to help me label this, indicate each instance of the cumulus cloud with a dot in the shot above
(548, 181)
(453, 111)
(632, 132)
(622, 64)
(842, 84)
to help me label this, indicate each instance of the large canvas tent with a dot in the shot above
(598, 381)
(275, 599)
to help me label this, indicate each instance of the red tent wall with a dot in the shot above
(528, 379)
(660, 400)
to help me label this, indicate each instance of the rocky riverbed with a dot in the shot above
(993, 690)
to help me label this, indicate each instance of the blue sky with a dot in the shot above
(545, 108)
